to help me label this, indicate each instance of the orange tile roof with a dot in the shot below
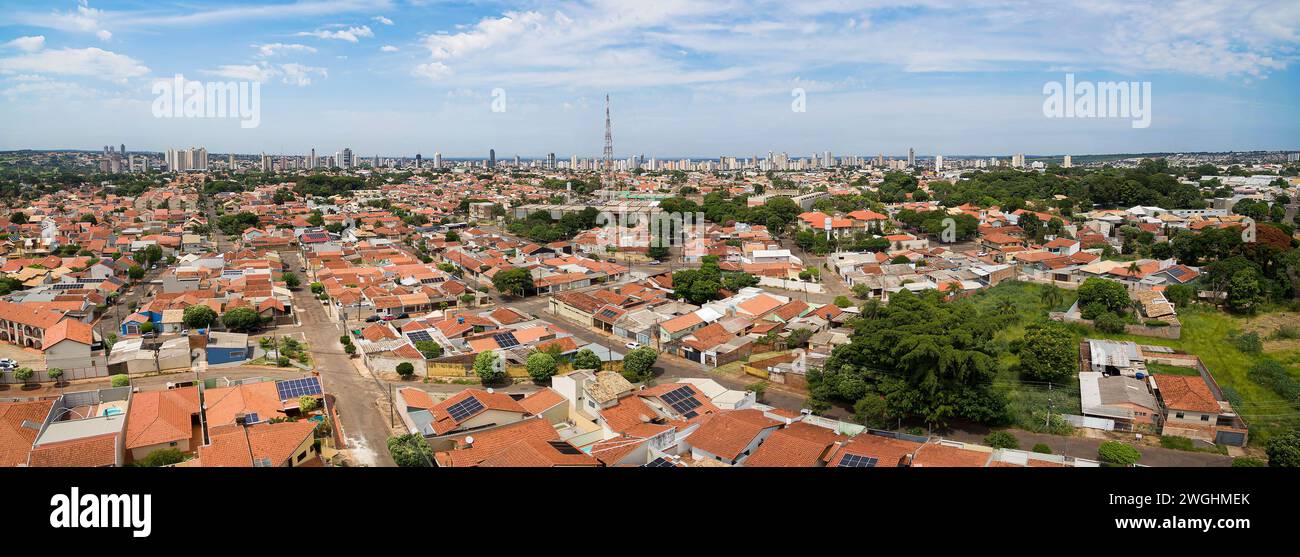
(161, 416)
(223, 403)
(934, 455)
(887, 451)
(87, 452)
(1186, 392)
(541, 401)
(16, 440)
(796, 445)
(726, 434)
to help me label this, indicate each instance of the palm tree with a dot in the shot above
(1006, 307)
(1051, 296)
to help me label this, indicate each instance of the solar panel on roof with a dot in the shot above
(660, 462)
(690, 415)
(251, 418)
(465, 408)
(505, 340)
(608, 313)
(564, 447)
(294, 388)
(418, 336)
(856, 461)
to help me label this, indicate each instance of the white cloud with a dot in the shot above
(351, 34)
(434, 71)
(260, 73)
(290, 73)
(268, 50)
(84, 19)
(77, 61)
(388, 48)
(382, 19)
(300, 75)
(27, 44)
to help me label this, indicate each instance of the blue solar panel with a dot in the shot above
(855, 461)
(660, 462)
(505, 340)
(251, 418)
(465, 408)
(294, 388)
(417, 336)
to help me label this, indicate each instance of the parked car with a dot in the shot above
(404, 316)
(8, 362)
(389, 318)
(632, 345)
(372, 319)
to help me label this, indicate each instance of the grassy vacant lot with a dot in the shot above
(1205, 334)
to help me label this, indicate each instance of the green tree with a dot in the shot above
(1284, 450)
(1042, 448)
(843, 301)
(1118, 454)
(586, 359)
(638, 364)
(513, 281)
(135, 272)
(1180, 294)
(55, 374)
(199, 316)
(1002, 440)
(541, 366)
(487, 368)
(350, 349)
(161, 457)
(1108, 294)
(120, 380)
(872, 411)
(1108, 322)
(24, 374)
(1048, 352)
(291, 280)
(405, 370)
(410, 451)
(241, 320)
(1051, 296)
(929, 358)
(308, 404)
(429, 349)
(1244, 293)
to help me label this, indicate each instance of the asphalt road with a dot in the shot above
(364, 428)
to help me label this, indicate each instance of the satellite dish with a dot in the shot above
(469, 440)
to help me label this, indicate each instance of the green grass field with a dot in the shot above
(1205, 334)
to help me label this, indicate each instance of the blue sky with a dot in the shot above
(687, 78)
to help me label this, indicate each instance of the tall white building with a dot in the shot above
(1068, 162)
(938, 163)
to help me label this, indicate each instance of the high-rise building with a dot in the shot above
(1018, 160)
(437, 160)
(492, 158)
(345, 159)
(550, 161)
(911, 157)
(1068, 162)
(938, 163)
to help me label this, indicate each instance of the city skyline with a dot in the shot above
(686, 79)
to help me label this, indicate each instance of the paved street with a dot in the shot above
(363, 426)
